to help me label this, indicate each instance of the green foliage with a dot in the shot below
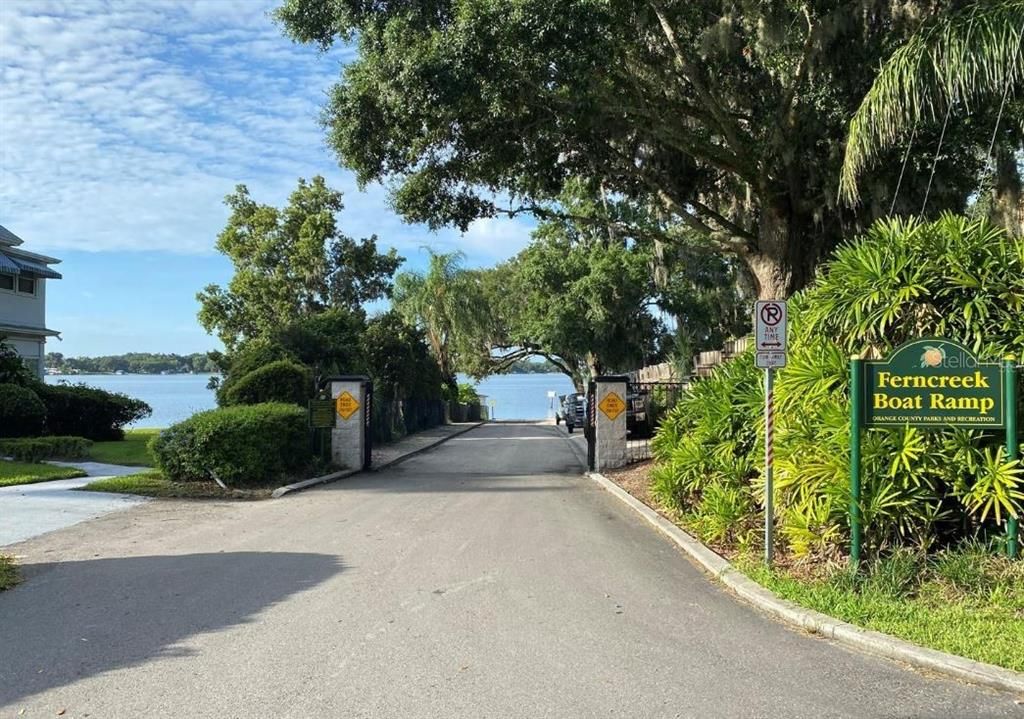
(12, 369)
(8, 572)
(133, 363)
(154, 484)
(14, 473)
(727, 118)
(468, 393)
(36, 449)
(970, 57)
(290, 263)
(281, 381)
(88, 412)
(952, 277)
(241, 445)
(397, 357)
(328, 341)
(247, 357)
(22, 413)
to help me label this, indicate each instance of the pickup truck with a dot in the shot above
(572, 410)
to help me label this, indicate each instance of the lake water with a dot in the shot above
(178, 396)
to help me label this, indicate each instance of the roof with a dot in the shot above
(9, 238)
(6, 327)
(15, 264)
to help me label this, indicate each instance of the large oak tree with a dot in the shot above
(725, 117)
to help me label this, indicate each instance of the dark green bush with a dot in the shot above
(242, 445)
(22, 413)
(249, 357)
(281, 381)
(36, 449)
(88, 412)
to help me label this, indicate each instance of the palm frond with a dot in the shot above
(960, 58)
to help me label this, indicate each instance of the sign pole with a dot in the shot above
(769, 460)
(856, 423)
(1012, 444)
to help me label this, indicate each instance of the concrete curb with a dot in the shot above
(306, 483)
(815, 622)
(296, 486)
(421, 450)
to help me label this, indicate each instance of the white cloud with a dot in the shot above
(123, 125)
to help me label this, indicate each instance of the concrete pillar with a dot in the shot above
(610, 423)
(348, 437)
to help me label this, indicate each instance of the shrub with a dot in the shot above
(36, 449)
(240, 445)
(468, 393)
(89, 412)
(249, 357)
(22, 413)
(281, 381)
(953, 277)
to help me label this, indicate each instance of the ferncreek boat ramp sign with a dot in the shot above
(933, 382)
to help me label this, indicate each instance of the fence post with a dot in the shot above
(856, 424)
(1012, 444)
(610, 422)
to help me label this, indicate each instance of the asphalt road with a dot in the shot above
(485, 578)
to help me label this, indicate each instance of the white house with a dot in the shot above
(23, 278)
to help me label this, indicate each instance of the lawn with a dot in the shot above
(131, 451)
(8, 572)
(12, 473)
(153, 484)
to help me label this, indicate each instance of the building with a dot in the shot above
(23, 277)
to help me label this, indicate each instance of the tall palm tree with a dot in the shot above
(967, 57)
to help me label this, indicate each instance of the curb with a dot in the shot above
(306, 483)
(814, 622)
(296, 486)
(421, 450)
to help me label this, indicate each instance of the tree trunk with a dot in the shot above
(1007, 208)
(786, 257)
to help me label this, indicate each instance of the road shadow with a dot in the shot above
(71, 620)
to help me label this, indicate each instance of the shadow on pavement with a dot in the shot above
(71, 620)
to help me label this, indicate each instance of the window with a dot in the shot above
(6, 282)
(27, 285)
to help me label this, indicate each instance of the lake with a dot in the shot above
(175, 397)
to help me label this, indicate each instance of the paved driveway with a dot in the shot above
(485, 578)
(29, 510)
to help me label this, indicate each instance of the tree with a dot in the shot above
(290, 263)
(969, 58)
(445, 303)
(726, 117)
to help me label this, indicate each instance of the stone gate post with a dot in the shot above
(610, 422)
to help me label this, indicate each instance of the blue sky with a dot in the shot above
(122, 127)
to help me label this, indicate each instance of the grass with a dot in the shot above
(154, 484)
(8, 572)
(132, 451)
(12, 473)
(965, 601)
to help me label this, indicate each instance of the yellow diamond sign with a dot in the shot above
(346, 405)
(612, 405)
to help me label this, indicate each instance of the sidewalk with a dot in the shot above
(389, 454)
(29, 510)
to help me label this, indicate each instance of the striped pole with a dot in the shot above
(769, 460)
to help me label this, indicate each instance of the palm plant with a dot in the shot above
(963, 57)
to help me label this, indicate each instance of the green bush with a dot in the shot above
(241, 445)
(22, 413)
(953, 277)
(249, 357)
(78, 410)
(281, 381)
(468, 393)
(36, 449)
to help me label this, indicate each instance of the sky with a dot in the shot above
(123, 124)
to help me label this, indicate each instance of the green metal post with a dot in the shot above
(856, 423)
(1012, 443)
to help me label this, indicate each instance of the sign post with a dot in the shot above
(770, 346)
(1012, 445)
(930, 382)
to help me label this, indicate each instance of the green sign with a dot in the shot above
(321, 413)
(933, 383)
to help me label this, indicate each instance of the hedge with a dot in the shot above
(22, 413)
(88, 412)
(281, 381)
(242, 445)
(36, 449)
